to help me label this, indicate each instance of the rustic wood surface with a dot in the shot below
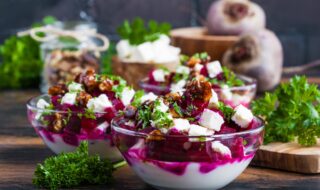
(21, 150)
(289, 156)
(196, 40)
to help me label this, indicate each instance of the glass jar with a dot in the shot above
(65, 57)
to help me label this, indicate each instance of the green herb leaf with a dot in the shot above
(137, 32)
(231, 78)
(73, 169)
(291, 111)
(226, 110)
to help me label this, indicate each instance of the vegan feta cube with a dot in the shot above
(42, 104)
(124, 49)
(197, 130)
(162, 107)
(211, 120)
(181, 124)
(144, 52)
(178, 87)
(217, 146)
(69, 98)
(198, 67)
(214, 68)
(242, 116)
(148, 97)
(214, 101)
(183, 70)
(99, 104)
(159, 75)
(126, 95)
(75, 87)
(226, 94)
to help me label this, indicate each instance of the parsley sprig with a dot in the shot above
(291, 111)
(73, 169)
(137, 32)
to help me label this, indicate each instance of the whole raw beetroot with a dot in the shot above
(234, 17)
(258, 55)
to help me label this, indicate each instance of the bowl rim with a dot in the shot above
(31, 105)
(117, 128)
(252, 84)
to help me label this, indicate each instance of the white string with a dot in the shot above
(52, 33)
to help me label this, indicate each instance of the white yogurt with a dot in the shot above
(192, 177)
(57, 145)
(104, 149)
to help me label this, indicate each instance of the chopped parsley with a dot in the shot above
(88, 114)
(177, 109)
(226, 110)
(137, 98)
(291, 111)
(231, 78)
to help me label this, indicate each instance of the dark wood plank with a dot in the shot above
(20, 155)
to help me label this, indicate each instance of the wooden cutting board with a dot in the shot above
(193, 40)
(290, 157)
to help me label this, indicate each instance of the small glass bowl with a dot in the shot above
(232, 96)
(69, 138)
(187, 162)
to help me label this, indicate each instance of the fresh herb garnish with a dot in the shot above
(151, 114)
(73, 169)
(177, 109)
(291, 111)
(118, 89)
(226, 110)
(231, 78)
(137, 98)
(137, 32)
(89, 114)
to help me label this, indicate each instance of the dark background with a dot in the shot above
(296, 22)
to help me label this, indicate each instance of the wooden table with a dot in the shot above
(21, 150)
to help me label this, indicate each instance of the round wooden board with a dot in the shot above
(196, 40)
(133, 73)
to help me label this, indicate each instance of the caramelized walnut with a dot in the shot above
(59, 89)
(105, 86)
(155, 135)
(193, 61)
(199, 90)
(83, 98)
(57, 123)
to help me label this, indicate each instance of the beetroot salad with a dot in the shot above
(81, 109)
(232, 89)
(187, 127)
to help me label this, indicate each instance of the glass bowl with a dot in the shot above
(76, 129)
(188, 162)
(232, 96)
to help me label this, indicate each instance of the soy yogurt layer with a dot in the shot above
(230, 88)
(81, 110)
(187, 140)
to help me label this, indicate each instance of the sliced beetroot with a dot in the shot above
(88, 124)
(70, 138)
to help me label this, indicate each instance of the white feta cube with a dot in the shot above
(242, 116)
(75, 87)
(159, 75)
(178, 87)
(214, 101)
(69, 98)
(217, 146)
(214, 68)
(149, 97)
(144, 53)
(124, 49)
(198, 67)
(103, 126)
(211, 120)
(162, 107)
(99, 104)
(183, 70)
(181, 124)
(226, 94)
(126, 95)
(197, 130)
(42, 104)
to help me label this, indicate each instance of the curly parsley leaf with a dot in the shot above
(226, 110)
(137, 32)
(292, 111)
(231, 78)
(73, 169)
